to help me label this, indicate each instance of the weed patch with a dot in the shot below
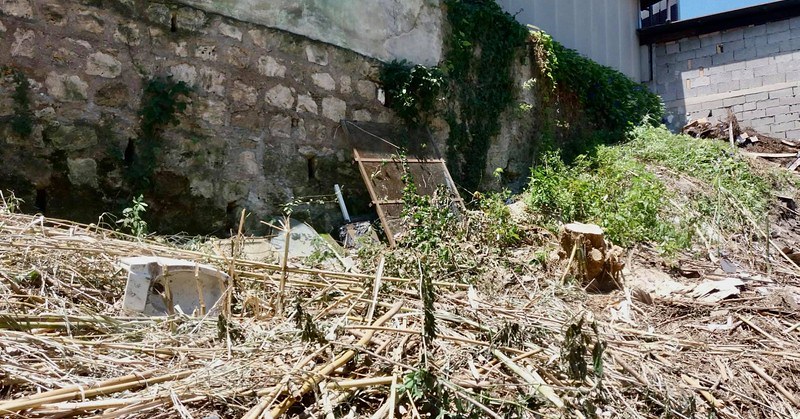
(630, 189)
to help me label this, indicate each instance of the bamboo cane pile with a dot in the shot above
(353, 345)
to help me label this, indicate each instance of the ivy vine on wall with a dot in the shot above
(162, 100)
(22, 119)
(581, 92)
(580, 100)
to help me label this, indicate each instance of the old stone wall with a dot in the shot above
(383, 29)
(754, 71)
(261, 128)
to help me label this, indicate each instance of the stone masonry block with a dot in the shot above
(749, 106)
(794, 22)
(230, 31)
(786, 117)
(777, 94)
(774, 38)
(769, 103)
(280, 96)
(778, 110)
(18, 8)
(774, 79)
(732, 35)
(738, 100)
(103, 65)
(689, 44)
(779, 26)
(270, 67)
(794, 135)
(784, 126)
(722, 59)
(334, 108)
(324, 81)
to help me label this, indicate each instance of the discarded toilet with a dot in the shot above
(159, 286)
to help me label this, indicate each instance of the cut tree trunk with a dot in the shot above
(596, 262)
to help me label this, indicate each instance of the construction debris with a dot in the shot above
(754, 144)
(161, 286)
(514, 343)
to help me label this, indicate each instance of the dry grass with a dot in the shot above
(67, 349)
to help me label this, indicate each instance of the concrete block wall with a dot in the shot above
(754, 71)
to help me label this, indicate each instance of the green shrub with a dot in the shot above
(411, 91)
(610, 189)
(629, 189)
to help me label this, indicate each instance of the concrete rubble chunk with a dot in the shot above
(159, 286)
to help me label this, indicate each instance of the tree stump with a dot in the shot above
(597, 262)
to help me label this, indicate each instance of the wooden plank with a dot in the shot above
(792, 167)
(371, 190)
(771, 155)
(380, 160)
(400, 201)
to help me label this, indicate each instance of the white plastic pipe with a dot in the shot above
(339, 196)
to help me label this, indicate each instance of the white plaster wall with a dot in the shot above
(382, 29)
(603, 30)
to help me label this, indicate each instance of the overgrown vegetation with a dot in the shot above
(590, 103)
(482, 46)
(412, 90)
(162, 100)
(22, 119)
(628, 189)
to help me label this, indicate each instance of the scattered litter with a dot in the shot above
(716, 327)
(715, 291)
(159, 286)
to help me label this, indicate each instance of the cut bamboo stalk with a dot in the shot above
(532, 378)
(287, 226)
(375, 288)
(311, 382)
(763, 374)
(71, 389)
(363, 382)
(97, 390)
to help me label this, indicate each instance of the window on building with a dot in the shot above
(655, 12)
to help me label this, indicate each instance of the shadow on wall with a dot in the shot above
(754, 71)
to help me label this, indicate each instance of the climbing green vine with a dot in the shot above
(476, 77)
(611, 103)
(162, 100)
(22, 119)
(412, 90)
(481, 49)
